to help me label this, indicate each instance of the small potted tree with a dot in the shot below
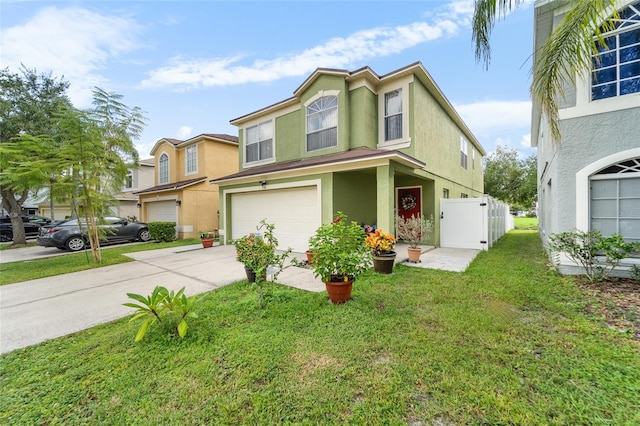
(414, 230)
(382, 245)
(258, 253)
(207, 238)
(340, 255)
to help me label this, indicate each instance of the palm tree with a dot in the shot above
(566, 53)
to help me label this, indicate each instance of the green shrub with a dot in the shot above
(598, 255)
(162, 231)
(164, 306)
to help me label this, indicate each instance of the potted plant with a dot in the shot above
(414, 230)
(381, 245)
(207, 238)
(339, 256)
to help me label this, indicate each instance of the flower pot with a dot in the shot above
(383, 262)
(339, 291)
(414, 254)
(251, 275)
(309, 256)
(206, 242)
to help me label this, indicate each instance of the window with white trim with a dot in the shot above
(322, 123)
(616, 67)
(128, 180)
(445, 193)
(473, 158)
(393, 115)
(463, 152)
(258, 144)
(191, 160)
(163, 169)
(615, 200)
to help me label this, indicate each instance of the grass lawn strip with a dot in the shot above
(15, 272)
(506, 342)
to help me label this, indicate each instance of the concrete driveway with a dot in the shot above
(35, 311)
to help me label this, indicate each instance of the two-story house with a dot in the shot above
(590, 179)
(182, 192)
(370, 146)
(126, 202)
(137, 179)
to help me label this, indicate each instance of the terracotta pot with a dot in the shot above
(339, 291)
(414, 254)
(206, 242)
(383, 263)
(309, 256)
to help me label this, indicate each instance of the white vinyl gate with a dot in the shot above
(473, 223)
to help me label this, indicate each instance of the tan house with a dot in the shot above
(182, 192)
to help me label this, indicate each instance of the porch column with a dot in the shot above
(385, 198)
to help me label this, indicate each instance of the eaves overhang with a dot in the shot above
(171, 186)
(357, 159)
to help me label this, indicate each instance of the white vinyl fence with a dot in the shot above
(473, 223)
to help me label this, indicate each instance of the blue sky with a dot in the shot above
(193, 66)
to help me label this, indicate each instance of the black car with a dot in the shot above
(31, 223)
(67, 235)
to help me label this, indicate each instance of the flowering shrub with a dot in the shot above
(380, 242)
(258, 252)
(339, 251)
(414, 230)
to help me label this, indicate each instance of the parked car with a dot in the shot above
(68, 235)
(32, 224)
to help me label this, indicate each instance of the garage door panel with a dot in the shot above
(294, 212)
(161, 211)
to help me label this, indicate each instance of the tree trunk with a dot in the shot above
(13, 207)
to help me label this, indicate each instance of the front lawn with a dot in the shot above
(16, 272)
(506, 342)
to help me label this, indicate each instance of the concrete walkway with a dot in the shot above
(38, 310)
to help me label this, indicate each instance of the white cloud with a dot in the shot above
(72, 42)
(494, 116)
(184, 132)
(525, 142)
(337, 52)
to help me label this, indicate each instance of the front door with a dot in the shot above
(409, 201)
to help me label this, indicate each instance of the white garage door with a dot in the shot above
(295, 213)
(161, 211)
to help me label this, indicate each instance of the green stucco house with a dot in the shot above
(370, 146)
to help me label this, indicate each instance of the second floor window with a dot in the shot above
(259, 142)
(128, 180)
(393, 115)
(616, 68)
(463, 153)
(322, 123)
(191, 165)
(163, 169)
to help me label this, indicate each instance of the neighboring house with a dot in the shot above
(127, 202)
(137, 179)
(182, 193)
(350, 141)
(590, 179)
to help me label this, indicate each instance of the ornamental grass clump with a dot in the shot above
(380, 242)
(339, 250)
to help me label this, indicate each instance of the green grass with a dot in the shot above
(506, 342)
(527, 223)
(15, 272)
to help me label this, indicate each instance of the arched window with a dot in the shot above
(615, 200)
(163, 169)
(322, 123)
(616, 68)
